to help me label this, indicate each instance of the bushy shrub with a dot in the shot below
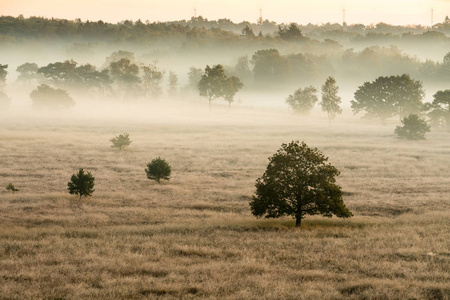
(81, 184)
(158, 169)
(10, 187)
(414, 128)
(120, 141)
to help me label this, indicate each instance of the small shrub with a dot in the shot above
(158, 169)
(120, 141)
(414, 128)
(10, 187)
(81, 184)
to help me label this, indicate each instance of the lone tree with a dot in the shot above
(414, 128)
(330, 99)
(10, 187)
(158, 169)
(81, 184)
(211, 84)
(389, 96)
(231, 86)
(120, 141)
(297, 182)
(303, 100)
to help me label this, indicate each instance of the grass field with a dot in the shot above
(194, 236)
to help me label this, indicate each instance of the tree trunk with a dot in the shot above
(298, 217)
(209, 104)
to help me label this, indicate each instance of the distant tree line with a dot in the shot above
(222, 31)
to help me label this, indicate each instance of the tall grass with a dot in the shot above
(194, 236)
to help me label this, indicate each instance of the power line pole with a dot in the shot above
(260, 20)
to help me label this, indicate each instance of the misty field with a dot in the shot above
(194, 236)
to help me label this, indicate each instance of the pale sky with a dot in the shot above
(399, 12)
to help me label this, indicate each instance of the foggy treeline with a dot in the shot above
(153, 59)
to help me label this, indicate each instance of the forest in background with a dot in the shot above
(267, 57)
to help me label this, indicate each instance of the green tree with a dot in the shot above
(10, 187)
(389, 96)
(44, 96)
(89, 78)
(61, 73)
(247, 33)
(158, 169)
(118, 55)
(81, 184)
(270, 67)
(303, 100)
(126, 75)
(439, 109)
(297, 182)
(231, 86)
(151, 80)
(27, 72)
(290, 33)
(414, 128)
(120, 141)
(211, 84)
(330, 100)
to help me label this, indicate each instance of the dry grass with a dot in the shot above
(194, 237)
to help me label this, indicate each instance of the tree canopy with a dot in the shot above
(298, 181)
(158, 169)
(270, 66)
(214, 84)
(120, 141)
(414, 128)
(303, 100)
(389, 96)
(44, 96)
(27, 72)
(439, 109)
(290, 33)
(81, 184)
(330, 100)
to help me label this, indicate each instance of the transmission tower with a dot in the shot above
(260, 20)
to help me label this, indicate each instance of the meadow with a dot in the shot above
(194, 236)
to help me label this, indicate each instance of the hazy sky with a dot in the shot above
(300, 11)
